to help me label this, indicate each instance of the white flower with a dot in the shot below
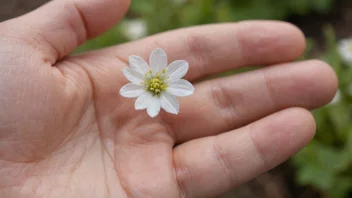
(345, 49)
(156, 86)
(179, 1)
(134, 29)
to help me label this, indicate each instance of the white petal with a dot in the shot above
(176, 70)
(169, 103)
(153, 108)
(180, 88)
(132, 90)
(132, 75)
(143, 101)
(344, 48)
(158, 60)
(134, 28)
(139, 64)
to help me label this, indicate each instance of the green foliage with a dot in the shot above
(112, 37)
(326, 163)
(163, 15)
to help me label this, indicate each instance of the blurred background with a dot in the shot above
(324, 168)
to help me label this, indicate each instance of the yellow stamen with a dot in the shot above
(155, 84)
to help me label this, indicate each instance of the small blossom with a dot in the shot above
(345, 49)
(134, 29)
(179, 1)
(156, 85)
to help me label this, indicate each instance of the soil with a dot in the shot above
(278, 183)
(14, 8)
(340, 17)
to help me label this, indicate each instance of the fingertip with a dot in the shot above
(322, 80)
(304, 122)
(265, 37)
(325, 75)
(290, 34)
(282, 134)
(101, 15)
(298, 128)
(298, 38)
(309, 84)
(64, 25)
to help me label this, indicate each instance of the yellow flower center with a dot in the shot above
(155, 84)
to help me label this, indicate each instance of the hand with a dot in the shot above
(66, 132)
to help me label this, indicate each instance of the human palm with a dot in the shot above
(66, 132)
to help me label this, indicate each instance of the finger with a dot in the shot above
(215, 48)
(231, 102)
(58, 27)
(212, 165)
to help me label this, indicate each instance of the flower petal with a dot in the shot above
(139, 64)
(143, 101)
(176, 70)
(344, 48)
(134, 28)
(180, 88)
(153, 108)
(169, 103)
(158, 60)
(131, 90)
(132, 75)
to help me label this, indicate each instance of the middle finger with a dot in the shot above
(227, 103)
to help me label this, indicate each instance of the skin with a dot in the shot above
(66, 132)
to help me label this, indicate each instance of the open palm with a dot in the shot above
(66, 132)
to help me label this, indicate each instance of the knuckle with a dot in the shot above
(200, 49)
(182, 175)
(224, 104)
(220, 155)
(260, 152)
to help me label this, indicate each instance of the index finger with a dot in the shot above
(211, 49)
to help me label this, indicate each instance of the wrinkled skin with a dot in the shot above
(66, 132)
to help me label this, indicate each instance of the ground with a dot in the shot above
(12, 8)
(278, 183)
